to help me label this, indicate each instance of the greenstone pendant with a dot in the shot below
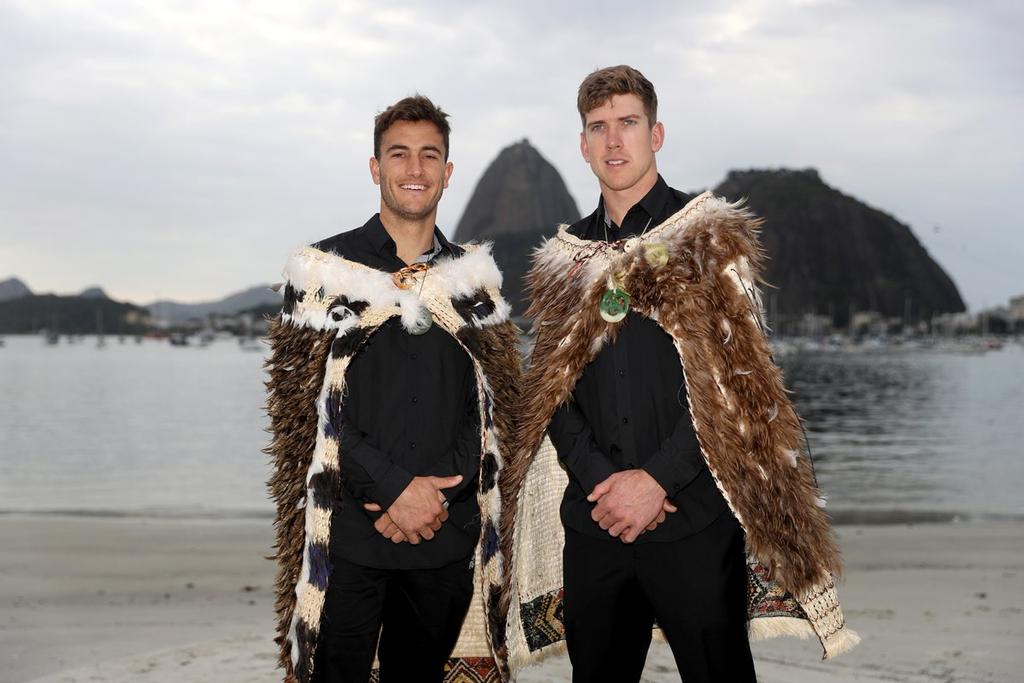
(614, 304)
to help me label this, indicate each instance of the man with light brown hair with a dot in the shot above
(653, 379)
(632, 557)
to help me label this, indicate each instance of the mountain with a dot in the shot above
(253, 297)
(13, 288)
(519, 199)
(93, 293)
(70, 315)
(830, 253)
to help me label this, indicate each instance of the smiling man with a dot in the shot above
(400, 342)
(653, 379)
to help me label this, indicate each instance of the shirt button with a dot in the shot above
(412, 445)
(412, 356)
(625, 420)
(413, 399)
(622, 373)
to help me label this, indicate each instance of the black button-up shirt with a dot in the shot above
(410, 409)
(629, 407)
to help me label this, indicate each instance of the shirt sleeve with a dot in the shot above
(464, 457)
(678, 461)
(573, 439)
(367, 472)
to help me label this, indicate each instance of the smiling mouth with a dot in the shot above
(413, 186)
(616, 162)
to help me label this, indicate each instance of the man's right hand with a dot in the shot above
(419, 511)
(666, 507)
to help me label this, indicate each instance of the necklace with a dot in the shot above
(605, 221)
(615, 301)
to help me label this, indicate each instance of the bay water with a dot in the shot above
(154, 430)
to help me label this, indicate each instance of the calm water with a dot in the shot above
(152, 429)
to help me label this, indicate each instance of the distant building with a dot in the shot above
(1016, 308)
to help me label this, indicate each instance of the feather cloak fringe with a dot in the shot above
(331, 307)
(750, 436)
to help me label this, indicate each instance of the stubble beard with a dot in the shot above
(621, 184)
(400, 211)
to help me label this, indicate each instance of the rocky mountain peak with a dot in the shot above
(831, 254)
(519, 192)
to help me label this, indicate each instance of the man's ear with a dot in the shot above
(375, 170)
(448, 168)
(584, 149)
(657, 136)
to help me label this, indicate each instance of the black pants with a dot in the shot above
(417, 613)
(695, 588)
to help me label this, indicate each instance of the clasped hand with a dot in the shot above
(628, 503)
(417, 513)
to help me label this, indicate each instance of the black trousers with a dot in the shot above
(417, 614)
(695, 588)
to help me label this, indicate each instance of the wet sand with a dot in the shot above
(157, 601)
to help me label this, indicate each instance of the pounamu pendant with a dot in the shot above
(614, 303)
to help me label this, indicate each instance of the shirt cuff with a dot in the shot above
(672, 476)
(390, 486)
(598, 468)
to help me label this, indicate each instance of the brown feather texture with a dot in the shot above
(705, 298)
(295, 367)
(331, 308)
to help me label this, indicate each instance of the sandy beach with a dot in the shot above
(157, 601)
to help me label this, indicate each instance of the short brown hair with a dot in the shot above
(599, 86)
(415, 108)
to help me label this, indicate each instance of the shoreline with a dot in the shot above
(169, 600)
(840, 517)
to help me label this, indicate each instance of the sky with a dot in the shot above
(182, 149)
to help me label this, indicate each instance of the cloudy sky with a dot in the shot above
(180, 149)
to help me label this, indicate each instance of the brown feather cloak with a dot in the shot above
(705, 298)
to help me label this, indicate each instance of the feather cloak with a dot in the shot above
(331, 307)
(704, 296)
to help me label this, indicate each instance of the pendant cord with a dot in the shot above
(604, 223)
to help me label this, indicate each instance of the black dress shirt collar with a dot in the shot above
(651, 203)
(381, 240)
(642, 215)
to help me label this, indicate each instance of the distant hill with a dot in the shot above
(253, 297)
(830, 253)
(519, 199)
(93, 293)
(21, 311)
(12, 288)
(70, 315)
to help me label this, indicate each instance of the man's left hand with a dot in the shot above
(386, 526)
(628, 502)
